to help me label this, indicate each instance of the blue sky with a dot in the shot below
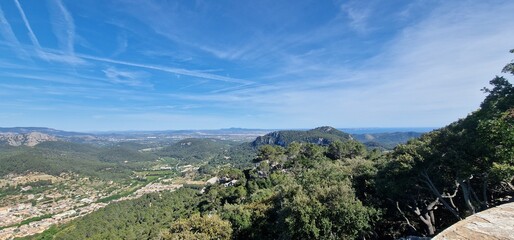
(154, 65)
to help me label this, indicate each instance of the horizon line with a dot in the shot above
(427, 129)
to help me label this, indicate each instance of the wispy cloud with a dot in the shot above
(129, 78)
(63, 26)
(49, 77)
(358, 17)
(122, 45)
(198, 74)
(53, 55)
(32, 36)
(430, 74)
(347, 64)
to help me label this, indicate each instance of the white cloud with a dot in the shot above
(122, 45)
(63, 26)
(358, 17)
(129, 78)
(429, 75)
(50, 54)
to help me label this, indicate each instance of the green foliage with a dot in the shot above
(324, 207)
(320, 136)
(58, 157)
(348, 149)
(200, 227)
(316, 184)
(462, 167)
(239, 215)
(232, 173)
(498, 139)
(194, 150)
(306, 195)
(29, 220)
(118, 154)
(239, 156)
(46, 235)
(262, 148)
(142, 218)
(119, 195)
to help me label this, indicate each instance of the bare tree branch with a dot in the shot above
(405, 217)
(438, 195)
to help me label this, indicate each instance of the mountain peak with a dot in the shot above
(324, 129)
(321, 135)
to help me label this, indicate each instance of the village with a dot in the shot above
(37, 201)
(32, 210)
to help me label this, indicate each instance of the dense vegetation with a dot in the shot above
(241, 155)
(57, 157)
(284, 190)
(455, 171)
(321, 135)
(195, 150)
(334, 189)
(141, 218)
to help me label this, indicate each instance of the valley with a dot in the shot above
(46, 192)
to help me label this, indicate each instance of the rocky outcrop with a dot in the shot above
(321, 136)
(29, 139)
(495, 223)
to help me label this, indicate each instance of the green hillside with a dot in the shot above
(193, 150)
(58, 157)
(120, 154)
(320, 136)
(237, 156)
(264, 203)
(242, 155)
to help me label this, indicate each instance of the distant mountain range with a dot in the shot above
(383, 138)
(49, 131)
(54, 151)
(385, 141)
(56, 132)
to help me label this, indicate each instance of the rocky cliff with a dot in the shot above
(321, 136)
(27, 139)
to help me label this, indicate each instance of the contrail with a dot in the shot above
(170, 70)
(31, 33)
(65, 29)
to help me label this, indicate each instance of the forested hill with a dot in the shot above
(56, 157)
(194, 150)
(321, 136)
(243, 154)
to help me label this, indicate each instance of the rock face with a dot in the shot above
(495, 223)
(321, 136)
(28, 139)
